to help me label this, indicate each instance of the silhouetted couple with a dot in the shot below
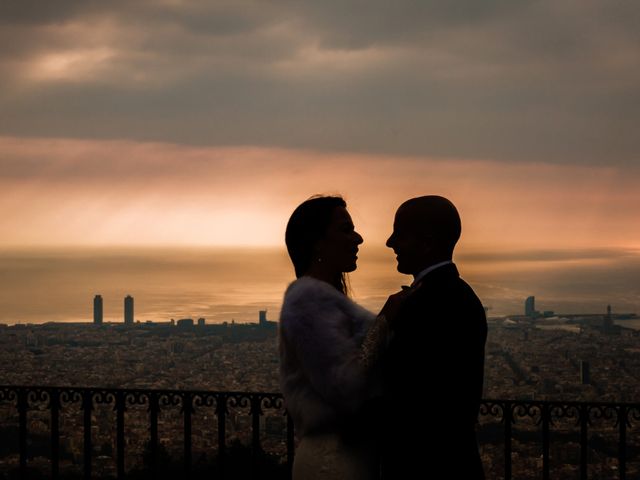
(394, 395)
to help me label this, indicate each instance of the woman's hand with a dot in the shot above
(395, 302)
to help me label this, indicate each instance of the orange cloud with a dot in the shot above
(120, 192)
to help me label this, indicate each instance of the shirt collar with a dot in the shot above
(428, 270)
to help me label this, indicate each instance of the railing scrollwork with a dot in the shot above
(547, 416)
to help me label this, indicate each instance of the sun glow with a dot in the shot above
(121, 192)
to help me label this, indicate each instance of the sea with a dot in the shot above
(224, 284)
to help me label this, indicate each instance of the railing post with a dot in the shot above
(221, 413)
(120, 409)
(54, 405)
(546, 418)
(22, 405)
(622, 444)
(256, 411)
(290, 444)
(87, 407)
(584, 448)
(508, 419)
(187, 410)
(153, 432)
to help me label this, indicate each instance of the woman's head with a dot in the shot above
(320, 230)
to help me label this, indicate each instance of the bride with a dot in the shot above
(325, 370)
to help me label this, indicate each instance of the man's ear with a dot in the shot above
(428, 242)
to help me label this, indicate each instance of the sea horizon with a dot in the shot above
(58, 284)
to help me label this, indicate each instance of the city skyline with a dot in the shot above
(39, 286)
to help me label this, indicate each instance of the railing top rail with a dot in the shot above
(570, 403)
(140, 390)
(278, 394)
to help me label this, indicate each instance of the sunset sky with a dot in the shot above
(204, 123)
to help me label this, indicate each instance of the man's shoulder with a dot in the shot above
(439, 307)
(446, 289)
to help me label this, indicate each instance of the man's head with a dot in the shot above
(425, 232)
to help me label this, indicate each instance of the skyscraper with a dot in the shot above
(263, 317)
(607, 324)
(530, 306)
(128, 310)
(97, 310)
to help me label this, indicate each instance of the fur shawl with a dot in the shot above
(320, 334)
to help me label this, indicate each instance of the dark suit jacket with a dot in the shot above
(432, 376)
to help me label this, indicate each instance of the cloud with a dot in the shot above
(512, 81)
(69, 191)
(537, 256)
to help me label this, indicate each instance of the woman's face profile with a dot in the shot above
(339, 246)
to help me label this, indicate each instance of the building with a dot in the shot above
(264, 323)
(128, 310)
(201, 322)
(185, 323)
(607, 324)
(530, 306)
(97, 310)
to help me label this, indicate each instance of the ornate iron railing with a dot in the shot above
(55, 398)
(544, 414)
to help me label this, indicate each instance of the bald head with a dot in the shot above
(425, 231)
(436, 216)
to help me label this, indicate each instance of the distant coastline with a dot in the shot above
(224, 284)
(630, 323)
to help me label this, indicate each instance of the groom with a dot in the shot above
(436, 348)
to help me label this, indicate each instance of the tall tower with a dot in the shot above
(97, 310)
(128, 310)
(263, 318)
(530, 306)
(607, 323)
